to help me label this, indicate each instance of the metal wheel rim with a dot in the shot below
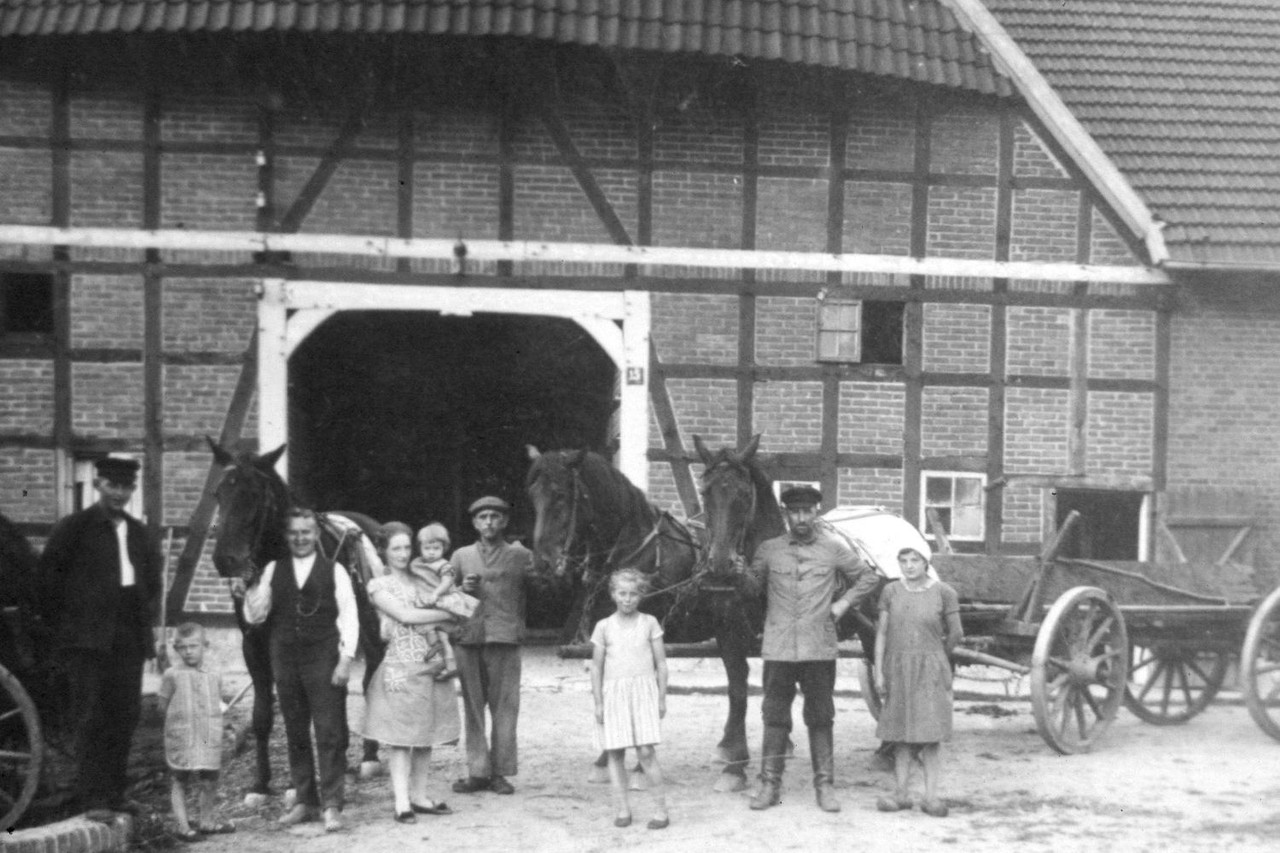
(1169, 685)
(18, 718)
(867, 684)
(1260, 665)
(1084, 629)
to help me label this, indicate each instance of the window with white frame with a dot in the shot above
(958, 499)
(857, 331)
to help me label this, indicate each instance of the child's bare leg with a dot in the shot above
(931, 758)
(902, 769)
(618, 780)
(178, 802)
(206, 792)
(398, 769)
(419, 774)
(653, 772)
(450, 662)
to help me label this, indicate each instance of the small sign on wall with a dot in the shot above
(635, 375)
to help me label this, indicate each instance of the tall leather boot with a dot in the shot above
(773, 758)
(821, 753)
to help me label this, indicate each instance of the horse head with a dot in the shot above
(738, 504)
(252, 500)
(554, 486)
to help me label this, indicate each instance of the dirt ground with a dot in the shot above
(1213, 784)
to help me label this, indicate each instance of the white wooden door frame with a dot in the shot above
(289, 311)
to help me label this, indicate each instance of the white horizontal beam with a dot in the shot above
(572, 253)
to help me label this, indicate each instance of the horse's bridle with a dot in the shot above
(740, 545)
(268, 509)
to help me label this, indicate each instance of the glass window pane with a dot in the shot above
(968, 491)
(937, 490)
(967, 521)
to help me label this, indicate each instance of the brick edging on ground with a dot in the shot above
(73, 835)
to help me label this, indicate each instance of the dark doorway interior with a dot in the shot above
(412, 415)
(1108, 526)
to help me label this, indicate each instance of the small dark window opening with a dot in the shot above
(26, 306)
(853, 331)
(1109, 523)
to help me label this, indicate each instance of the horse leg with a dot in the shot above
(733, 746)
(257, 660)
(370, 766)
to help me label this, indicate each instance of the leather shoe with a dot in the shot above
(434, 808)
(499, 785)
(826, 796)
(770, 794)
(406, 817)
(333, 820)
(934, 808)
(470, 785)
(296, 815)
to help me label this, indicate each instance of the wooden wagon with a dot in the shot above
(1094, 635)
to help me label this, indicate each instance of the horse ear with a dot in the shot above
(703, 453)
(267, 461)
(534, 453)
(748, 453)
(220, 454)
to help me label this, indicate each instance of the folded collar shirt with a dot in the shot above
(800, 579)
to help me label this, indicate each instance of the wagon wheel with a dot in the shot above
(21, 750)
(867, 683)
(1170, 683)
(1078, 669)
(1260, 665)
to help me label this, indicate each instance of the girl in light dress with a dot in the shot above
(919, 627)
(191, 697)
(629, 685)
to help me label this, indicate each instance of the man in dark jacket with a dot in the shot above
(798, 574)
(99, 587)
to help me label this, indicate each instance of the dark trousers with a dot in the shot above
(303, 673)
(106, 703)
(816, 679)
(490, 676)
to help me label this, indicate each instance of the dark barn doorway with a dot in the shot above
(1109, 524)
(412, 415)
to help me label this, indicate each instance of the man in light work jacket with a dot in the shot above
(799, 573)
(488, 648)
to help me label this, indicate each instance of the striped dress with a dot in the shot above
(631, 715)
(193, 723)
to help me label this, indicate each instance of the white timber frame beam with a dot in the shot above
(649, 258)
(289, 311)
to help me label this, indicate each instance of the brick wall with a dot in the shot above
(708, 407)
(106, 311)
(786, 330)
(26, 484)
(871, 487)
(106, 400)
(957, 338)
(696, 328)
(954, 422)
(790, 416)
(1038, 341)
(28, 394)
(871, 417)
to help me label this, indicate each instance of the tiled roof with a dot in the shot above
(1184, 97)
(911, 39)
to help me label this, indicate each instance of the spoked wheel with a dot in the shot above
(1260, 665)
(867, 682)
(1169, 684)
(20, 750)
(1078, 669)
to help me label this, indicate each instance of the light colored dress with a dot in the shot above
(405, 706)
(917, 673)
(631, 716)
(193, 721)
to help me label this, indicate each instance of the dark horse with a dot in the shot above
(591, 521)
(252, 502)
(740, 511)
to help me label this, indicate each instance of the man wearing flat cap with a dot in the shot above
(488, 646)
(100, 586)
(799, 573)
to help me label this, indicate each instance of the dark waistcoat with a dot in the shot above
(308, 615)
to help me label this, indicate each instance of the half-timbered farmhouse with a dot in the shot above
(998, 258)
